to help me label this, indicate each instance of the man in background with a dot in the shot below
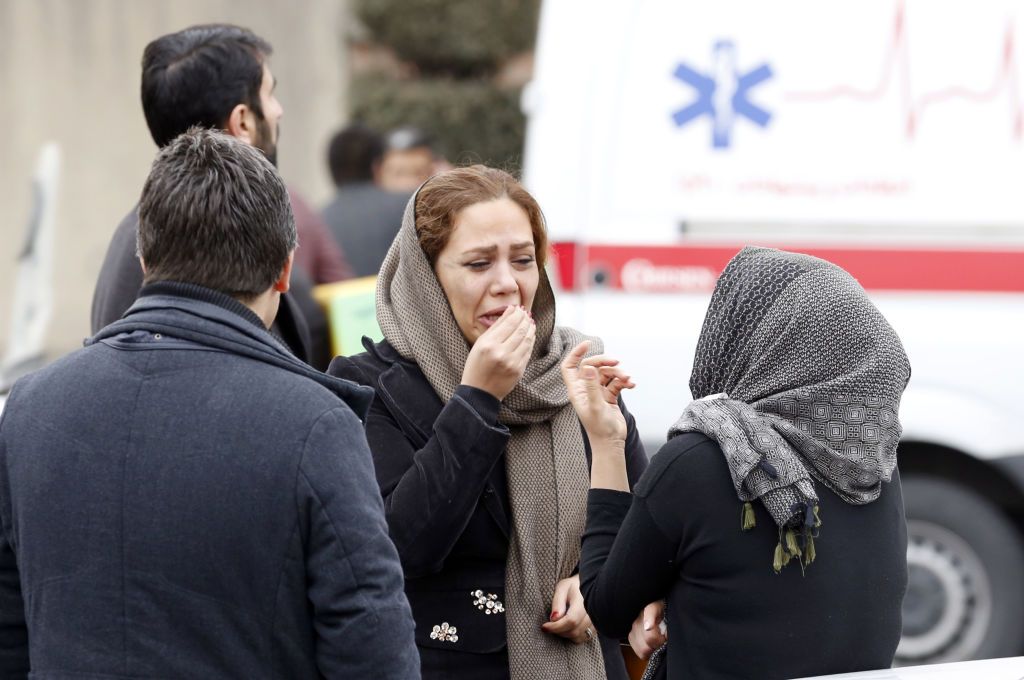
(409, 159)
(183, 498)
(318, 253)
(213, 76)
(363, 217)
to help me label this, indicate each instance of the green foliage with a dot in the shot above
(460, 38)
(473, 121)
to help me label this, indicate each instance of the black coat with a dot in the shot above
(184, 499)
(729, 614)
(441, 472)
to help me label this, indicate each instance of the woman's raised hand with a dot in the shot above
(499, 356)
(594, 385)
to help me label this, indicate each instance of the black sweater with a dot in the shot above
(729, 614)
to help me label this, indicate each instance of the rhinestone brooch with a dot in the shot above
(445, 633)
(488, 603)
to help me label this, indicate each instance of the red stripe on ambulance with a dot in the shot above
(694, 268)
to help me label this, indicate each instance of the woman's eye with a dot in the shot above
(524, 261)
(478, 264)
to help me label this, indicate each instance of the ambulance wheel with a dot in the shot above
(965, 591)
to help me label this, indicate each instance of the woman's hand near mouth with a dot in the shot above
(498, 358)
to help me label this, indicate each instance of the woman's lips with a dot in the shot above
(490, 318)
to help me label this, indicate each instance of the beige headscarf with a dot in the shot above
(545, 459)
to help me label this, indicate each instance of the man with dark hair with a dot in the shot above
(217, 76)
(183, 497)
(354, 155)
(362, 217)
(208, 76)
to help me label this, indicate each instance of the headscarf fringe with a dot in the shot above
(747, 519)
(796, 542)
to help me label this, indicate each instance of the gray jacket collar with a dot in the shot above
(215, 326)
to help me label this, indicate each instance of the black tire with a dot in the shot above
(966, 561)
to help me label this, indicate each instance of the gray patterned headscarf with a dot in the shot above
(798, 377)
(545, 459)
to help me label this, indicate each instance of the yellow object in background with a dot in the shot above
(351, 313)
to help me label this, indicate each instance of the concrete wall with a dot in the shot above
(70, 72)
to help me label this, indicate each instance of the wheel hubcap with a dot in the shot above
(949, 601)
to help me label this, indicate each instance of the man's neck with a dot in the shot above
(265, 306)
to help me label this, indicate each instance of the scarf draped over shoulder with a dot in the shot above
(545, 459)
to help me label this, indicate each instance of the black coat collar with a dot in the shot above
(406, 392)
(413, 403)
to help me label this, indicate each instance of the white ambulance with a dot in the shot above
(887, 137)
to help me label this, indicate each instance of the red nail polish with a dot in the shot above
(554, 616)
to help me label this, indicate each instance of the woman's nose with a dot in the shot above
(504, 281)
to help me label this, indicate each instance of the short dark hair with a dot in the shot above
(214, 212)
(353, 152)
(198, 75)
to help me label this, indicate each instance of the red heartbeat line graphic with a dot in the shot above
(897, 64)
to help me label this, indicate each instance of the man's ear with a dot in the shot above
(283, 282)
(375, 169)
(241, 123)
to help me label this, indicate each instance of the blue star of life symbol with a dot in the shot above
(722, 96)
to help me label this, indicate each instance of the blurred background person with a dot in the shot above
(362, 216)
(409, 159)
(222, 74)
(480, 458)
(318, 254)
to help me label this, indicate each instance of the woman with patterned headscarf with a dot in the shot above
(481, 460)
(772, 521)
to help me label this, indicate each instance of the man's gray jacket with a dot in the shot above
(364, 220)
(184, 498)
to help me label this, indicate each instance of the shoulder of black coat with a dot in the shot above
(676, 453)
